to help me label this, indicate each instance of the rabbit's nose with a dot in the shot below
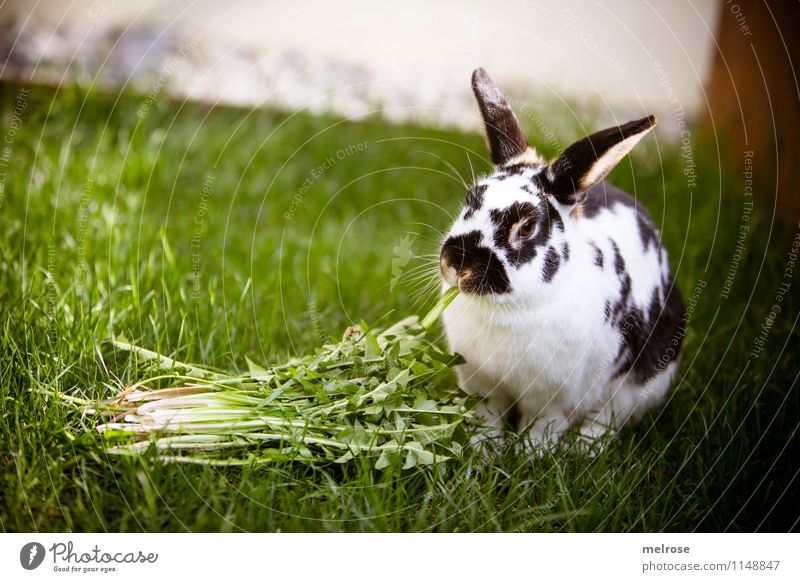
(449, 274)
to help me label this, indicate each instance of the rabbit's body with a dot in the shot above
(569, 315)
(562, 354)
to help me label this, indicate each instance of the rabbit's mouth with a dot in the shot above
(474, 268)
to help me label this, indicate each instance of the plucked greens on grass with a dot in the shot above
(387, 394)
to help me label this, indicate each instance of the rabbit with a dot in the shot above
(568, 316)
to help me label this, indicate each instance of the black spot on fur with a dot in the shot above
(565, 251)
(508, 217)
(607, 309)
(652, 340)
(507, 172)
(554, 216)
(619, 262)
(598, 257)
(619, 306)
(551, 264)
(480, 270)
(647, 230)
(625, 285)
(505, 219)
(516, 169)
(474, 200)
(603, 195)
(539, 181)
(652, 335)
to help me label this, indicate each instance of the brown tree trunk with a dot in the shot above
(753, 96)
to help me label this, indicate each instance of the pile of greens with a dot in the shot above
(387, 394)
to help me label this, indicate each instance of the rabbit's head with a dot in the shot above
(515, 228)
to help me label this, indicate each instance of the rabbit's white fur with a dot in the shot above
(554, 348)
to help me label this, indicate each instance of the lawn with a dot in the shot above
(212, 234)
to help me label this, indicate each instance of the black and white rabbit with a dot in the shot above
(568, 314)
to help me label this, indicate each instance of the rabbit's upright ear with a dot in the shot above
(586, 162)
(503, 132)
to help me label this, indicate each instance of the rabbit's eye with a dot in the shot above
(527, 228)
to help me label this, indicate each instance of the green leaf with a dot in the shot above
(384, 460)
(372, 348)
(257, 372)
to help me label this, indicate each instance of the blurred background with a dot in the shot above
(710, 60)
(412, 59)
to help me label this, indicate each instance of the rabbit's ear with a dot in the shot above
(503, 132)
(586, 162)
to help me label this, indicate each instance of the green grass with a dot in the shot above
(103, 219)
